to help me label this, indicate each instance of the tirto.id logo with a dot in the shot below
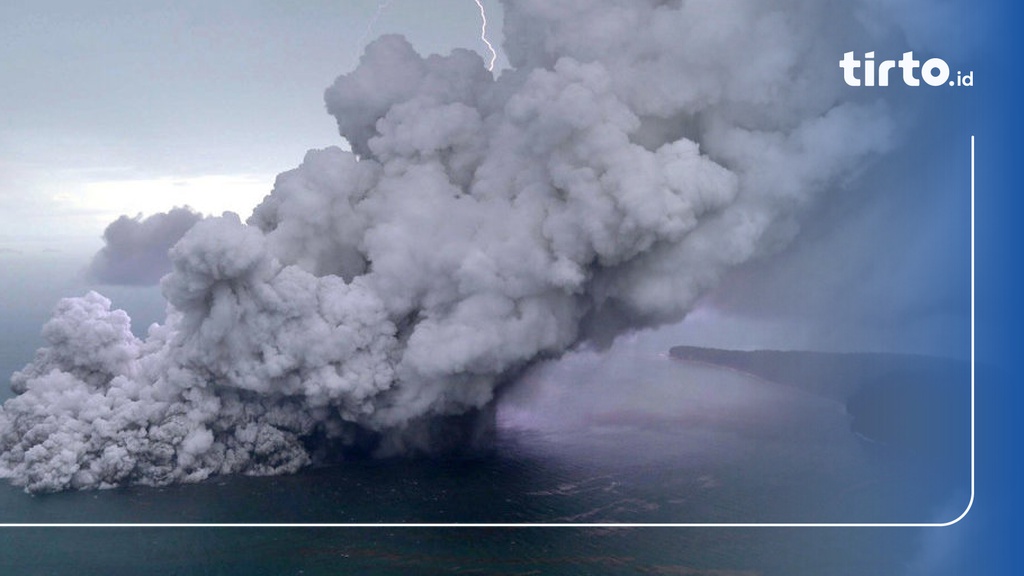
(934, 72)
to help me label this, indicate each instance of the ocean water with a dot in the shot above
(627, 436)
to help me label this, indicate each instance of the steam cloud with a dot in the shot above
(479, 223)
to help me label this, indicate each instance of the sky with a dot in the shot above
(117, 108)
(122, 108)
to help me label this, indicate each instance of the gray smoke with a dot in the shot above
(636, 151)
(135, 249)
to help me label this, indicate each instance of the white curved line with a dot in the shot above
(483, 35)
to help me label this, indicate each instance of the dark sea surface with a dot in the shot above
(627, 436)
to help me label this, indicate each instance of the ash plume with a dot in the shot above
(378, 298)
(135, 249)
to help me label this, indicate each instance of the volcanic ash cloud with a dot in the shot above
(135, 249)
(635, 151)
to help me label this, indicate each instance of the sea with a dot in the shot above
(595, 443)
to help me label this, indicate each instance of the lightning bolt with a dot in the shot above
(381, 7)
(483, 35)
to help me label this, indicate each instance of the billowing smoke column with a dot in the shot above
(635, 151)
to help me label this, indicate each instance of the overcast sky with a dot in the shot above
(118, 107)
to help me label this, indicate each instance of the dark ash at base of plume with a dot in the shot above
(462, 435)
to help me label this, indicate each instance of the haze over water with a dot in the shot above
(628, 436)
